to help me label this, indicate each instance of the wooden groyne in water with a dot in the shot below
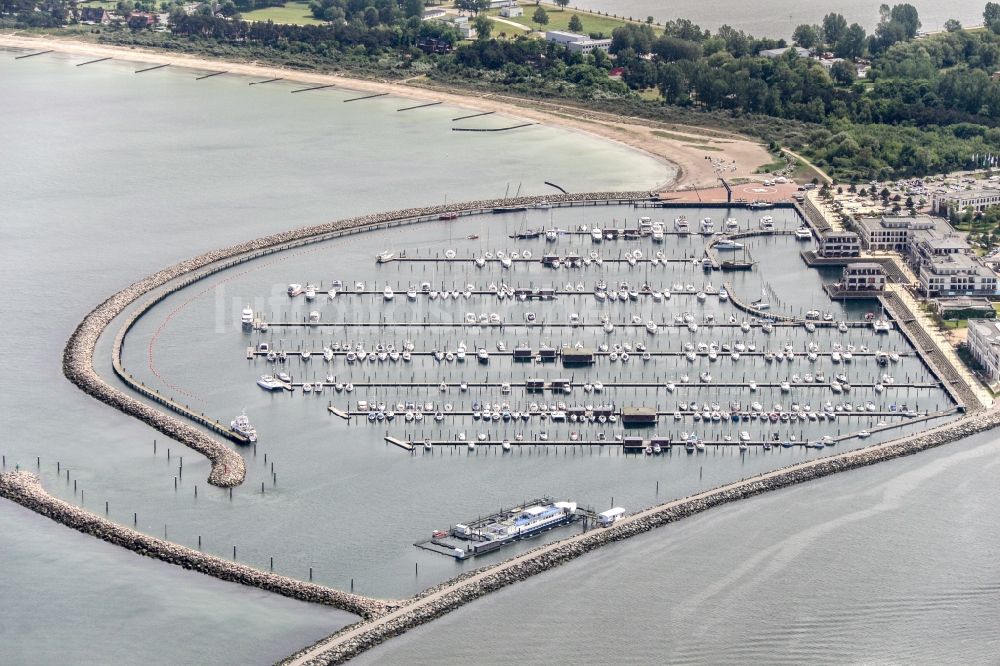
(490, 129)
(228, 467)
(25, 489)
(446, 597)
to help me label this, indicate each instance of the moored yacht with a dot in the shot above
(241, 425)
(728, 244)
(270, 383)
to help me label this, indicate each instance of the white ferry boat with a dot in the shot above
(803, 234)
(384, 257)
(241, 425)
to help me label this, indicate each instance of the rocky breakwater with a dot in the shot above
(446, 597)
(228, 467)
(25, 489)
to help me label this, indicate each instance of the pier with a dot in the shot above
(150, 69)
(32, 55)
(210, 75)
(319, 87)
(464, 589)
(473, 115)
(91, 62)
(490, 129)
(358, 99)
(419, 106)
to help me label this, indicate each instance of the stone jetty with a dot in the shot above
(446, 597)
(228, 467)
(25, 489)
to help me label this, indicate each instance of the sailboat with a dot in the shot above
(762, 303)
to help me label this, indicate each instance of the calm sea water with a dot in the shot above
(893, 564)
(351, 506)
(108, 175)
(70, 597)
(778, 18)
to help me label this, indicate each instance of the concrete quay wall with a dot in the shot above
(228, 467)
(444, 598)
(25, 489)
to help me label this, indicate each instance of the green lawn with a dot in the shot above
(559, 20)
(293, 13)
(107, 4)
(777, 165)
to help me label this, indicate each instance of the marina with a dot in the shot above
(583, 363)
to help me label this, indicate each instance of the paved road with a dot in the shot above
(824, 175)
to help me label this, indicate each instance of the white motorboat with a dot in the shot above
(294, 289)
(246, 317)
(881, 325)
(384, 257)
(241, 425)
(270, 383)
(681, 225)
(728, 244)
(706, 226)
(803, 234)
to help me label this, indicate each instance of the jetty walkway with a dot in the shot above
(228, 467)
(444, 598)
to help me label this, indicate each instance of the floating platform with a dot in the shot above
(487, 534)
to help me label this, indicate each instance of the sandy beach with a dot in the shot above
(696, 156)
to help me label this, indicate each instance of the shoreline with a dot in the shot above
(679, 150)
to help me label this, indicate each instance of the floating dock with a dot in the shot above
(487, 534)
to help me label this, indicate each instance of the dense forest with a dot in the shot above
(890, 103)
